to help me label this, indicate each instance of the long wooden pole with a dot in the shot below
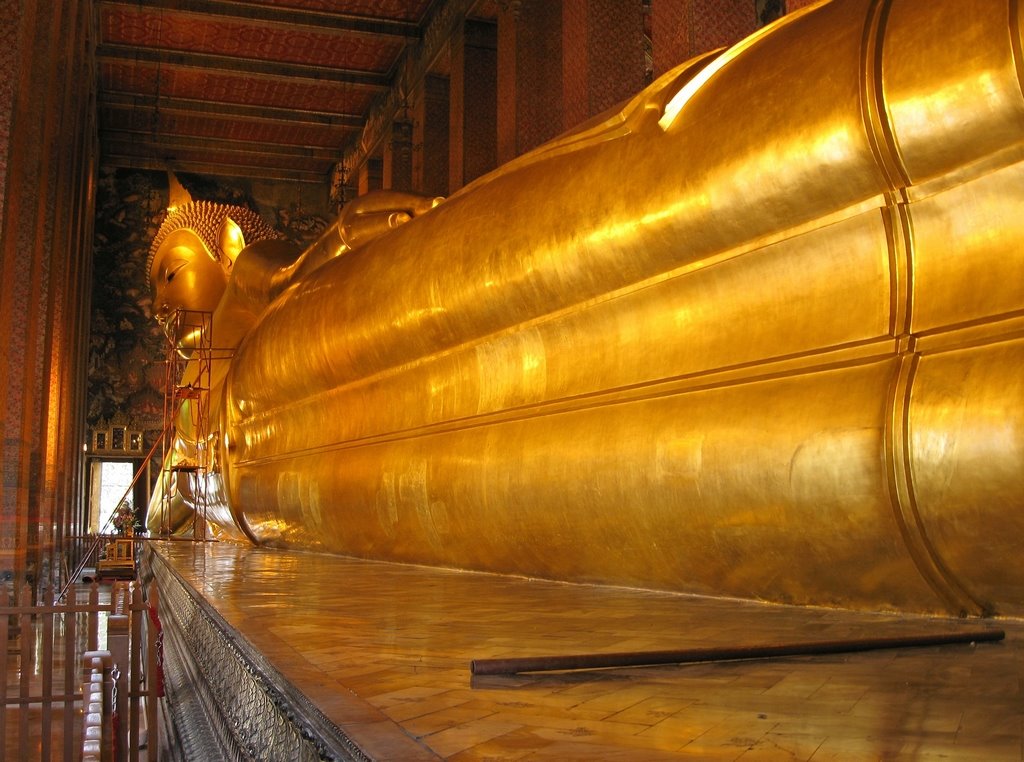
(513, 666)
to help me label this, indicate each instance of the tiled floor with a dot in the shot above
(384, 651)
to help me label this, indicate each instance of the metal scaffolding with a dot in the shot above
(187, 382)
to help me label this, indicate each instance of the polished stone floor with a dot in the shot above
(384, 651)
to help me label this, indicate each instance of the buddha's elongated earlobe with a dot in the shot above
(231, 241)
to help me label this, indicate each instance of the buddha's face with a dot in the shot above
(184, 276)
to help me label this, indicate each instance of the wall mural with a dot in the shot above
(126, 347)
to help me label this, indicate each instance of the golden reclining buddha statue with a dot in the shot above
(758, 334)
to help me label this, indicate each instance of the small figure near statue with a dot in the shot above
(117, 559)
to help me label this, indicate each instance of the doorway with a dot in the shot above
(109, 481)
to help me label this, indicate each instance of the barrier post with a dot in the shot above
(117, 641)
(96, 701)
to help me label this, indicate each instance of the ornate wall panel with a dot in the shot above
(615, 54)
(719, 23)
(687, 28)
(538, 75)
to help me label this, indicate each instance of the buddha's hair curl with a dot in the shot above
(205, 218)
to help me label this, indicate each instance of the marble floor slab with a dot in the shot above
(384, 652)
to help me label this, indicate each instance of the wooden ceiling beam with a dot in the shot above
(229, 64)
(135, 101)
(201, 151)
(138, 62)
(146, 141)
(248, 11)
(217, 169)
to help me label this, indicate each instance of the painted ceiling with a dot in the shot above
(261, 88)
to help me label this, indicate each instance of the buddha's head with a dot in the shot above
(192, 256)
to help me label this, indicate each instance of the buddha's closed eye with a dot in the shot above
(174, 268)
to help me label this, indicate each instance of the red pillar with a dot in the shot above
(602, 56)
(46, 184)
(371, 175)
(507, 142)
(398, 157)
(473, 103)
(430, 137)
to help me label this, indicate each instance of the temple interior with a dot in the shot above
(589, 379)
